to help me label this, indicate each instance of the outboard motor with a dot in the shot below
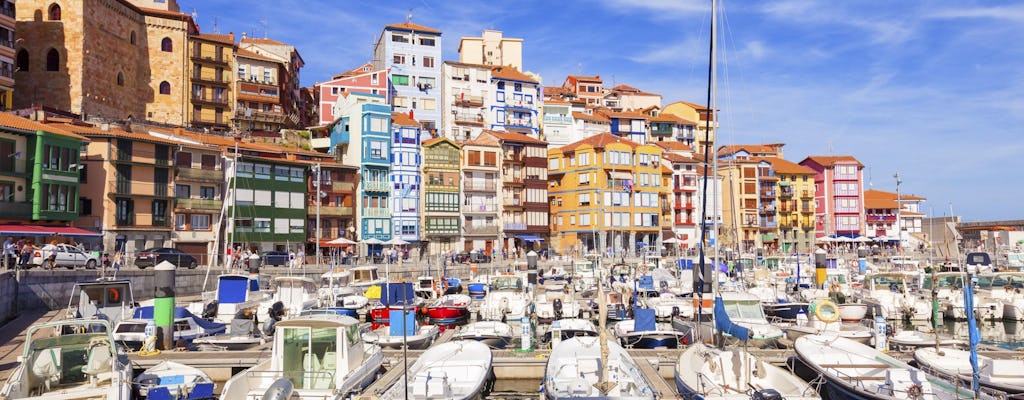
(281, 389)
(763, 394)
(276, 311)
(675, 311)
(557, 305)
(210, 310)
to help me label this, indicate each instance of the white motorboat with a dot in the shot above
(856, 371)
(584, 276)
(322, 357)
(703, 372)
(363, 277)
(507, 299)
(496, 335)
(398, 334)
(666, 305)
(912, 339)
(891, 294)
(295, 293)
(567, 328)
(1003, 375)
(132, 333)
(852, 312)
(575, 369)
(68, 360)
(1004, 288)
(745, 310)
(176, 380)
(107, 299)
(554, 302)
(451, 370)
(644, 332)
(826, 321)
(234, 293)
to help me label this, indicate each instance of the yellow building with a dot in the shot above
(699, 114)
(606, 194)
(795, 204)
(212, 78)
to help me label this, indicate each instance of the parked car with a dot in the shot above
(275, 258)
(154, 256)
(62, 255)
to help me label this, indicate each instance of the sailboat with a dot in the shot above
(702, 372)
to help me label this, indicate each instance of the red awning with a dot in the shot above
(72, 231)
(23, 230)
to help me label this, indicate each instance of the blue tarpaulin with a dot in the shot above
(724, 324)
(232, 289)
(646, 282)
(396, 324)
(397, 294)
(644, 320)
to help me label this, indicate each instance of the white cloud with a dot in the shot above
(687, 51)
(1011, 13)
(662, 8)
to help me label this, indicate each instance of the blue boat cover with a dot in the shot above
(232, 289)
(396, 324)
(974, 335)
(453, 282)
(646, 282)
(724, 324)
(397, 294)
(644, 320)
(146, 312)
(685, 263)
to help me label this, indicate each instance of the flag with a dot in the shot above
(16, 155)
(628, 185)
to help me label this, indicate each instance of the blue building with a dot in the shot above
(411, 54)
(406, 158)
(517, 97)
(362, 134)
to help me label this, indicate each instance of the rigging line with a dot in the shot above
(707, 151)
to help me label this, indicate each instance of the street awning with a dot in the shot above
(72, 231)
(24, 230)
(529, 238)
(620, 175)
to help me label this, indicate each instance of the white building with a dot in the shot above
(491, 48)
(412, 54)
(465, 86)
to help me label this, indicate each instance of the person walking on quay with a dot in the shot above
(8, 253)
(26, 254)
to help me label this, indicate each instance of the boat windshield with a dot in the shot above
(745, 310)
(507, 283)
(945, 281)
(840, 279)
(887, 281)
(1001, 280)
(364, 275)
(309, 356)
(584, 268)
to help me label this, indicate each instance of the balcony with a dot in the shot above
(513, 157)
(135, 188)
(786, 192)
(786, 209)
(376, 186)
(249, 114)
(442, 231)
(341, 186)
(880, 218)
(193, 174)
(8, 9)
(480, 208)
(512, 202)
(478, 187)
(482, 230)
(519, 122)
(198, 204)
(767, 194)
(469, 119)
(806, 194)
(16, 210)
(807, 210)
(376, 212)
(462, 100)
(220, 101)
(215, 80)
(515, 227)
(329, 211)
(199, 56)
(514, 181)
(766, 209)
(557, 119)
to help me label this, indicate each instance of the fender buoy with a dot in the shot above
(826, 311)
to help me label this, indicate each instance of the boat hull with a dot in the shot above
(786, 311)
(447, 315)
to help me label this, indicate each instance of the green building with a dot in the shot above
(269, 204)
(39, 172)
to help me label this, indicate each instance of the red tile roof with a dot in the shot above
(787, 167)
(403, 119)
(753, 149)
(590, 117)
(431, 142)
(598, 141)
(250, 54)
(669, 117)
(632, 90)
(675, 157)
(673, 146)
(165, 13)
(12, 121)
(515, 137)
(586, 78)
(228, 39)
(625, 114)
(881, 194)
(694, 106)
(556, 102)
(510, 73)
(262, 41)
(413, 27)
(829, 161)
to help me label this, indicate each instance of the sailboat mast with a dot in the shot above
(707, 161)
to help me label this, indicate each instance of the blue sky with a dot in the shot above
(932, 90)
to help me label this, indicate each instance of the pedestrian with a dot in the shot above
(26, 254)
(300, 258)
(117, 261)
(8, 253)
(291, 259)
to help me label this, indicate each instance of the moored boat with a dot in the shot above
(575, 369)
(1003, 375)
(450, 309)
(176, 380)
(452, 370)
(707, 373)
(496, 335)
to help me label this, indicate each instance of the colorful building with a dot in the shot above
(363, 79)
(517, 97)
(481, 224)
(289, 62)
(467, 89)
(584, 87)
(795, 210)
(625, 97)
(606, 192)
(631, 125)
(406, 159)
(39, 173)
(882, 218)
(557, 124)
(335, 205)
(441, 206)
(259, 107)
(685, 210)
(199, 193)
(411, 54)
(704, 118)
(212, 58)
(667, 127)
(523, 193)
(839, 195)
(491, 48)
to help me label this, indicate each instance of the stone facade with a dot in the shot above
(111, 59)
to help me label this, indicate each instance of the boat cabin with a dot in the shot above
(365, 276)
(105, 299)
(316, 352)
(82, 359)
(507, 283)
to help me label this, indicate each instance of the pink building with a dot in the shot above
(364, 79)
(838, 195)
